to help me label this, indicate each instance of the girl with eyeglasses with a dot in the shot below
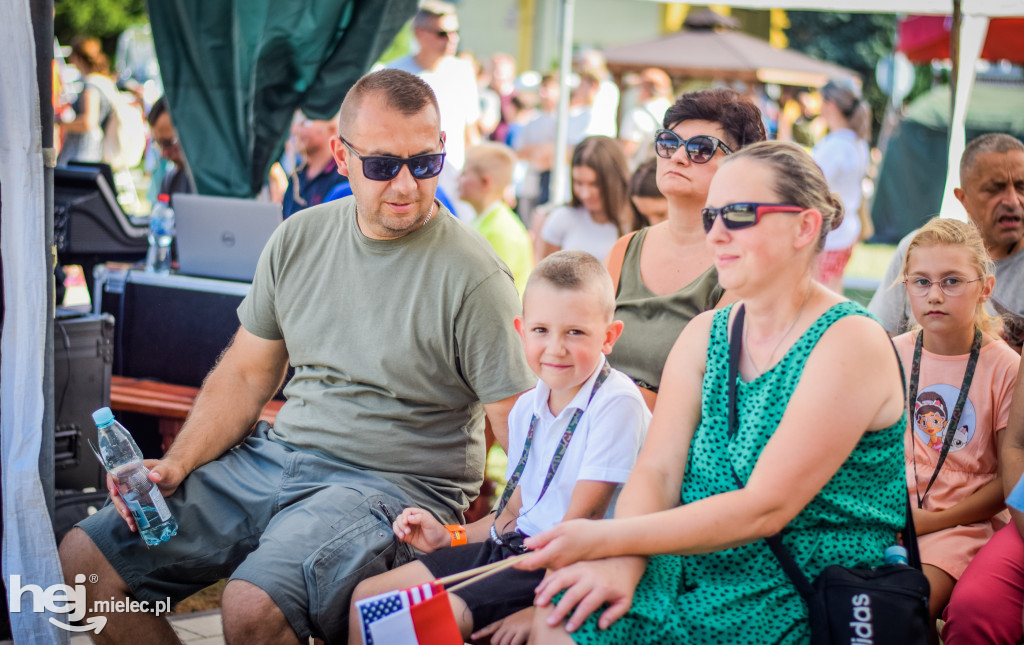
(814, 442)
(598, 212)
(960, 376)
(664, 274)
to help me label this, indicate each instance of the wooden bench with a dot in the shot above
(170, 404)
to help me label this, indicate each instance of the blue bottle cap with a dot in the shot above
(896, 551)
(102, 417)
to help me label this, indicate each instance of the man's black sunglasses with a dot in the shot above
(381, 168)
(743, 215)
(699, 149)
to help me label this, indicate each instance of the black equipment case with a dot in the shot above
(170, 328)
(83, 353)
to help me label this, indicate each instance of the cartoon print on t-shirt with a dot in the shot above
(959, 438)
(932, 414)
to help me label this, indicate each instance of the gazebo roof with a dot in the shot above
(723, 55)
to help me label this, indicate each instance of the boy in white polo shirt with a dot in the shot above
(572, 442)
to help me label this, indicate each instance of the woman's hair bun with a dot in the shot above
(835, 217)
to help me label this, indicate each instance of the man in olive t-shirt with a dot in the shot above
(398, 322)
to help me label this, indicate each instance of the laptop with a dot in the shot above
(222, 237)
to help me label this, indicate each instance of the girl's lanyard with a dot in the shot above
(947, 440)
(556, 459)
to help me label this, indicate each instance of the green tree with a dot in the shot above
(854, 40)
(104, 19)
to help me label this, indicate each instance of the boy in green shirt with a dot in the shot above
(483, 183)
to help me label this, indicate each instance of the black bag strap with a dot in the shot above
(779, 550)
(909, 534)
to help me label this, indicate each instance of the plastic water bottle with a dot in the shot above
(161, 233)
(896, 554)
(123, 460)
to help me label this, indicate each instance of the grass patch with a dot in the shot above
(865, 270)
(870, 260)
(495, 471)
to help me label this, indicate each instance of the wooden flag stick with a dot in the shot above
(479, 573)
(468, 573)
(504, 564)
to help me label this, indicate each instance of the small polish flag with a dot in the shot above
(418, 615)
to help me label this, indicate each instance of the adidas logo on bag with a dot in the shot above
(861, 623)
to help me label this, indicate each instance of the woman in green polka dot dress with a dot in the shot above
(818, 443)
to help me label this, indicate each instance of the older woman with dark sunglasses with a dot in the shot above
(774, 423)
(664, 274)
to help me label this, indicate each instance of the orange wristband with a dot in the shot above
(458, 533)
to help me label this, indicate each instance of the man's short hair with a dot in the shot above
(431, 10)
(657, 82)
(590, 62)
(494, 160)
(401, 91)
(992, 142)
(575, 271)
(156, 111)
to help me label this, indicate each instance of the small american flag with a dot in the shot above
(403, 624)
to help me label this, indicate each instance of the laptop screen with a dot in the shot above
(222, 237)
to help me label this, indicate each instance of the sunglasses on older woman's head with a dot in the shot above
(743, 215)
(699, 148)
(382, 168)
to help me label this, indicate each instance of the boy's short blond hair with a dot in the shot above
(494, 160)
(575, 271)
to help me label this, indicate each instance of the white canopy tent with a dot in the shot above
(26, 551)
(972, 29)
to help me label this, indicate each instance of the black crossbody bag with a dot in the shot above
(885, 605)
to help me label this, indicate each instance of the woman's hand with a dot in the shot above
(565, 544)
(588, 586)
(510, 630)
(419, 528)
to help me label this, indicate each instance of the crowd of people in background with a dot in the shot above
(495, 99)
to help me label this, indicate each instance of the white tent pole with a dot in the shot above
(973, 29)
(560, 169)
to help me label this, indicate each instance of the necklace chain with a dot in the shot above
(426, 219)
(746, 345)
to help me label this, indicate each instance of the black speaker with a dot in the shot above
(83, 353)
(169, 328)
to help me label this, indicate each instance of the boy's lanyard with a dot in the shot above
(947, 440)
(556, 459)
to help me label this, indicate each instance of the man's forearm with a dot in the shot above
(497, 419)
(218, 421)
